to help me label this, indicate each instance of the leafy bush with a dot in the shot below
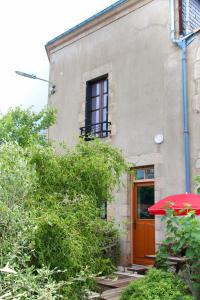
(17, 176)
(26, 127)
(50, 210)
(51, 243)
(73, 239)
(156, 285)
(17, 236)
(31, 285)
(97, 167)
(183, 240)
(91, 169)
(69, 238)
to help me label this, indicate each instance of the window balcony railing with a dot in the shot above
(99, 130)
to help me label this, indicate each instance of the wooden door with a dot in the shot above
(143, 223)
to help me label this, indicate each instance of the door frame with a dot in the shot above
(134, 184)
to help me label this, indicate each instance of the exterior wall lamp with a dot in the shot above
(159, 138)
(32, 76)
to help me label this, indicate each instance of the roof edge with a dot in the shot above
(78, 26)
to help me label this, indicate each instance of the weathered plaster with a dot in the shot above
(145, 98)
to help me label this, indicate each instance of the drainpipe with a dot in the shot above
(183, 46)
(182, 43)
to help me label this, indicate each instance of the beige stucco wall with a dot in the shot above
(145, 98)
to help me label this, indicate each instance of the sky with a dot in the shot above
(25, 27)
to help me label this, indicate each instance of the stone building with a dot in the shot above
(119, 76)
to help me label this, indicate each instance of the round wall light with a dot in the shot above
(158, 138)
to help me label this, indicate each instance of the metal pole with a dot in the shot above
(42, 79)
(33, 76)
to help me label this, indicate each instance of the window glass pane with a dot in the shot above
(105, 100)
(95, 117)
(104, 210)
(149, 173)
(105, 86)
(145, 199)
(139, 173)
(104, 126)
(95, 89)
(95, 103)
(104, 116)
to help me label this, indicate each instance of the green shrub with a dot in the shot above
(73, 238)
(51, 243)
(183, 240)
(157, 285)
(32, 285)
(92, 169)
(17, 176)
(50, 210)
(26, 127)
(16, 227)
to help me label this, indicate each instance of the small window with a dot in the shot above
(144, 173)
(103, 211)
(189, 16)
(140, 174)
(96, 114)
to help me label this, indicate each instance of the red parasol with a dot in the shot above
(180, 202)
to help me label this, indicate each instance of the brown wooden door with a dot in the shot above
(143, 223)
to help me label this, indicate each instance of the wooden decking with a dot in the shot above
(140, 269)
(113, 294)
(111, 289)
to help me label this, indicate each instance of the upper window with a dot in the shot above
(96, 114)
(190, 15)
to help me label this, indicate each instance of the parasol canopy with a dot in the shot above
(180, 203)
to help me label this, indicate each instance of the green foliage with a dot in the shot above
(31, 285)
(32, 281)
(97, 167)
(51, 243)
(156, 285)
(25, 126)
(91, 169)
(17, 177)
(197, 182)
(50, 210)
(183, 240)
(74, 238)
